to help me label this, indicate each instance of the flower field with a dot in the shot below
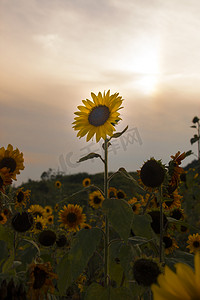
(107, 236)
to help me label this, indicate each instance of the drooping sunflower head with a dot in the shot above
(40, 283)
(194, 243)
(86, 182)
(96, 199)
(71, 217)
(152, 173)
(47, 238)
(22, 197)
(98, 117)
(146, 271)
(22, 222)
(58, 184)
(37, 210)
(169, 244)
(11, 159)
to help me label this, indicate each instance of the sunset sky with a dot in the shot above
(54, 53)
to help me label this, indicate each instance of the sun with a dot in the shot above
(148, 84)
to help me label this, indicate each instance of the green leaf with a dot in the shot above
(6, 235)
(118, 134)
(98, 292)
(125, 257)
(141, 226)
(194, 139)
(74, 263)
(90, 156)
(120, 215)
(127, 175)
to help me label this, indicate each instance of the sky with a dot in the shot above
(54, 53)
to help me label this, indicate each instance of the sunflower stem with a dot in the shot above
(106, 246)
(161, 226)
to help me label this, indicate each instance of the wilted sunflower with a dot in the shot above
(58, 184)
(169, 244)
(96, 199)
(152, 174)
(41, 276)
(22, 197)
(112, 192)
(121, 194)
(86, 182)
(48, 210)
(175, 171)
(194, 243)
(12, 160)
(182, 285)
(71, 217)
(37, 210)
(39, 224)
(98, 117)
(146, 271)
(135, 205)
(5, 178)
(3, 218)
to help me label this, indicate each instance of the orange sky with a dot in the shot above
(54, 53)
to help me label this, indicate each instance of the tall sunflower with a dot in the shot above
(12, 160)
(98, 117)
(71, 217)
(182, 285)
(40, 283)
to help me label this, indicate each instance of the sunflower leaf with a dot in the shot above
(120, 216)
(98, 292)
(118, 134)
(142, 226)
(90, 156)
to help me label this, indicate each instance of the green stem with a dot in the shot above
(106, 248)
(161, 227)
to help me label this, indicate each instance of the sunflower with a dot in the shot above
(48, 210)
(152, 201)
(47, 238)
(169, 244)
(182, 285)
(86, 226)
(121, 194)
(135, 205)
(40, 283)
(98, 117)
(174, 202)
(39, 224)
(12, 160)
(22, 222)
(96, 199)
(194, 243)
(3, 218)
(58, 184)
(177, 213)
(37, 210)
(5, 178)
(112, 192)
(21, 197)
(71, 217)
(62, 241)
(49, 219)
(152, 174)
(175, 171)
(86, 182)
(146, 271)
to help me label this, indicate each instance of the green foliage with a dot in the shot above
(141, 225)
(98, 292)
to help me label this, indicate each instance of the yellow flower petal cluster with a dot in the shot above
(182, 285)
(71, 217)
(98, 117)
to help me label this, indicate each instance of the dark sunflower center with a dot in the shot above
(38, 226)
(20, 197)
(1, 182)
(97, 200)
(50, 220)
(47, 210)
(169, 203)
(87, 182)
(9, 163)
(176, 214)
(40, 277)
(120, 195)
(99, 115)
(134, 207)
(1, 218)
(196, 244)
(111, 194)
(167, 241)
(71, 217)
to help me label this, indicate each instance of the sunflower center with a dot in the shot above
(20, 197)
(97, 200)
(1, 182)
(38, 226)
(71, 217)
(169, 203)
(196, 244)
(176, 214)
(40, 277)
(167, 241)
(50, 219)
(120, 195)
(1, 218)
(111, 194)
(9, 163)
(99, 115)
(134, 207)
